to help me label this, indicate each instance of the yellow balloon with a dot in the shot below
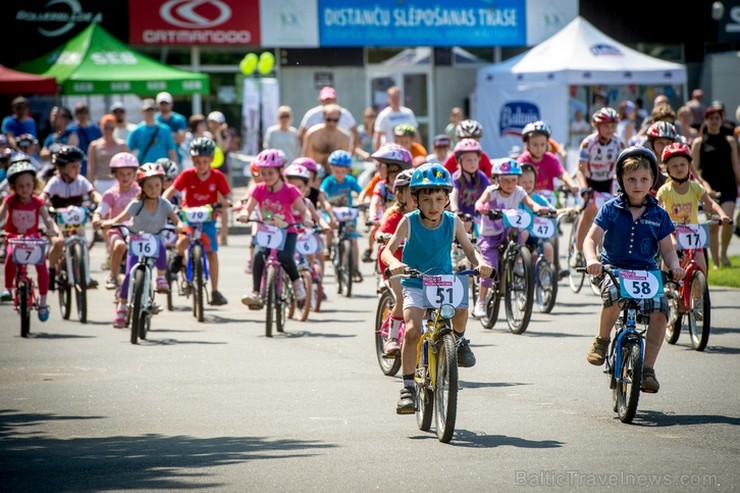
(218, 158)
(249, 63)
(266, 63)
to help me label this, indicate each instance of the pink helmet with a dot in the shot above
(394, 154)
(306, 162)
(271, 158)
(297, 171)
(124, 160)
(467, 145)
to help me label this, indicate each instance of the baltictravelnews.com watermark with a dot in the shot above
(551, 477)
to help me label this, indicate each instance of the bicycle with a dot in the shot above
(343, 253)
(624, 363)
(574, 279)
(459, 260)
(515, 275)
(26, 251)
(73, 269)
(308, 243)
(389, 363)
(690, 305)
(141, 289)
(436, 376)
(196, 269)
(545, 272)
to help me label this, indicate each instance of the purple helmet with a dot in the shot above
(394, 154)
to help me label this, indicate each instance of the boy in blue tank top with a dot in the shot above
(428, 233)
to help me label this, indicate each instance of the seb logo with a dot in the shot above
(515, 115)
(605, 49)
(195, 14)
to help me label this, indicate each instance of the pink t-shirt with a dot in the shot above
(23, 219)
(548, 168)
(115, 201)
(277, 208)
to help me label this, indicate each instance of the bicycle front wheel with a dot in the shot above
(546, 285)
(270, 298)
(700, 310)
(575, 279)
(137, 312)
(65, 291)
(347, 262)
(493, 304)
(80, 276)
(317, 290)
(304, 306)
(388, 365)
(628, 382)
(198, 286)
(424, 392)
(519, 290)
(283, 301)
(24, 306)
(445, 388)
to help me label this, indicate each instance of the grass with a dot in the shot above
(726, 276)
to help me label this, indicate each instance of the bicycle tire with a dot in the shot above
(24, 306)
(304, 306)
(424, 392)
(337, 261)
(700, 311)
(628, 386)
(493, 305)
(519, 290)
(198, 286)
(270, 298)
(137, 312)
(546, 284)
(65, 292)
(349, 262)
(317, 290)
(171, 279)
(80, 276)
(283, 301)
(389, 366)
(575, 278)
(673, 330)
(446, 387)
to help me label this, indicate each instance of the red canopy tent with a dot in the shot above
(15, 82)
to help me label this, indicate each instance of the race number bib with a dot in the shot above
(692, 236)
(308, 243)
(143, 245)
(517, 218)
(548, 195)
(601, 198)
(72, 215)
(640, 284)
(445, 290)
(29, 252)
(345, 213)
(169, 236)
(543, 227)
(197, 215)
(270, 237)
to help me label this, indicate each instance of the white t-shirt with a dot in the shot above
(388, 119)
(315, 115)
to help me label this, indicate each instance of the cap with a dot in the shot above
(117, 105)
(327, 92)
(164, 97)
(148, 104)
(19, 100)
(217, 116)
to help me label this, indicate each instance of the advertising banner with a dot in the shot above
(289, 23)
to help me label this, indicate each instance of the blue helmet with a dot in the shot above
(506, 166)
(431, 175)
(340, 158)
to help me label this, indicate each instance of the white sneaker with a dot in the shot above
(299, 290)
(480, 310)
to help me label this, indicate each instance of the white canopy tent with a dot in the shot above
(535, 85)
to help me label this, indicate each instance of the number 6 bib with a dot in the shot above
(445, 290)
(641, 284)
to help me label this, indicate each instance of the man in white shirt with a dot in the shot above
(123, 127)
(392, 115)
(315, 116)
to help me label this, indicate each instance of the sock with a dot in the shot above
(395, 327)
(408, 381)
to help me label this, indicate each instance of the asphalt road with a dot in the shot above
(219, 407)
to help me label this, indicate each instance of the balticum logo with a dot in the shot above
(605, 49)
(515, 115)
(196, 20)
(58, 17)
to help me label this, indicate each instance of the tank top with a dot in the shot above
(715, 161)
(428, 250)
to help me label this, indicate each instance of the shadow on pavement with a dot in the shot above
(488, 385)
(661, 419)
(305, 333)
(466, 438)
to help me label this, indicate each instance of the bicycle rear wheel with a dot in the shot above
(445, 391)
(171, 279)
(346, 260)
(198, 286)
(284, 301)
(575, 279)
(673, 331)
(270, 299)
(493, 304)
(317, 289)
(389, 366)
(628, 382)
(80, 276)
(699, 319)
(65, 291)
(137, 312)
(304, 306)
(24, 305)
(546, 285)
(519, 290)
(424, 392)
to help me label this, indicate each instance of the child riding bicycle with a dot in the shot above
(633, 228)
(428, 234)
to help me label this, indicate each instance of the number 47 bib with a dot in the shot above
(640, 284)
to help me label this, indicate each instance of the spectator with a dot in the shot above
(223, 135)
(392, 115)
(123, 127)
(29, 145)
(626, 126)
(60, 118)
(579, 127)
(86, 131)
(99, 153)
(151, 140)
(366, 130)
(323, 139)
(20, 122)
(683, 125)
(197, 127)
(456, 116)
(176, 122)
(315, 116)
(697, 108)
(283, 136)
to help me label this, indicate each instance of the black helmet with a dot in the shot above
(637, 152)
(202, 146)
(66, 154)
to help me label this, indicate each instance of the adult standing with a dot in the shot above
(456, 116)
(60, 118)
(283, 136)
(223, 135)
(86, 130)
(696, 105)
(19, 122)
(391, 116)
(123, 127)
(99, 153)
(151, 140)
(683, 125)
(715, 159)
(325, 138)
(176, 122)
(366, 130)
(315, 116)
(626, 126)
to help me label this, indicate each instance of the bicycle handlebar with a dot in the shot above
(126, 229)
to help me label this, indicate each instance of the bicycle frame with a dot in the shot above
(194, 238)
(626, 331)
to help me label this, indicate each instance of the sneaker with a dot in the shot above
(465, 356)
(111, 282)
(253, 301)
(649, 384)
(597, 353)
(162, 286)
(356, 276)
(367, 256)
(480, 309)
(299, 290)
(577, 260)
(217, 299)
(6, 295)
(407, 401)
(175, 265)
(392, 348)
(92, 284)
(120, 321)
(43, 313)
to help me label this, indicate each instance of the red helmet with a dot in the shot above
(676, 149)
(605, 115)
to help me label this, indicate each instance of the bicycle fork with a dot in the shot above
(628, 334)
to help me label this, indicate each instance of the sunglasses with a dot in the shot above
(284, 116)
(331, 120)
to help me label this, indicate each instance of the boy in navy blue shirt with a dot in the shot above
(633, 229)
